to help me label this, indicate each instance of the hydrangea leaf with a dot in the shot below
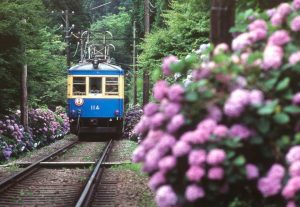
(239, 161)
(177, 67)
(283, 84)
(292, 109)
(268, 108)
(263, 125)
(281, 118)
(192, 96)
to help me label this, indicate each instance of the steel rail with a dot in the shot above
(6, 183)
(88, 191)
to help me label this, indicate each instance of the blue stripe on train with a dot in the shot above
(96, 72)
(93, 108)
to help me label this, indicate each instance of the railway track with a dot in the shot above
(53, 181)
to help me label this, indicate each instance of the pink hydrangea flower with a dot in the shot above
(150, 109)
(220, 131)
(295, 24)
(279, 38)
(291, 204)
(258, 24)
(294, 169)
(165, 196)
(277, 171)
(291, 188)
(233, 109)
(151, 161)
(220, 48)
(142, 126)
(296, 4)
(251, 171)
(195, 173)
(277, 19)
(269, 186)
(241, 42)
(207, 125)
(294, 58)
(216, 156)
(271, 12)
(194, 192)
(284, 9)
(156, 180)
(166, 143)
(256, 97)
(201, 73)
(175, 93)
(216, 173)
(239, 130)
(200, 136)
(181, 148)
(176, 122)
(257, 35)
(171, 109)
(152, 138)
(160, 90)
(167, 61)
(296, 98)
(293, 155)
(197, 157)
(272, 57)
(139, 154)
(167, 163)
(157, 120)
(214, 113)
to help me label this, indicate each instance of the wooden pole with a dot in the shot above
(134, 65)
(222, 19)
(24, 94)
(68, 39)
(146, 83)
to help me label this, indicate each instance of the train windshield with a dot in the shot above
(79, 85)
(95, 85)
(112, 86)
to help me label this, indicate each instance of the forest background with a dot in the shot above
(177, 27)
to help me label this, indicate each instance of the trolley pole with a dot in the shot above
(134, 65)
(146, 83)
(222, 19)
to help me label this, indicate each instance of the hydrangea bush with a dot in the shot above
(132, 117)
(45, 126)
(234, 131)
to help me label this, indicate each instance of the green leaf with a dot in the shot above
(192, 96)
(239, 161)
(270, 83)
(297, 138)
(268, 108)
(177, 67)
(292, 109)
(283, 84)
(263, 125)
(281, 118)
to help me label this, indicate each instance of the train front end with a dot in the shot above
(95, 98)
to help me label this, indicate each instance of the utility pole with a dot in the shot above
(221, 20)
(67, 38)
(146, 84)
(134, 65)
(24, 94)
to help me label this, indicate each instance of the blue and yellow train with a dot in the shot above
(95, 98)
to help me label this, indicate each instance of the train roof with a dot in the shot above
(88, 69)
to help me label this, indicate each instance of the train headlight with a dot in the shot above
(117, 112)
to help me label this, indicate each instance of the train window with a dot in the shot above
(95, 85)
(79, 85)
(112, 86)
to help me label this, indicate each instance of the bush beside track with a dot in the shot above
(45, 126)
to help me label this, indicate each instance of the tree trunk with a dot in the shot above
(222, 19)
